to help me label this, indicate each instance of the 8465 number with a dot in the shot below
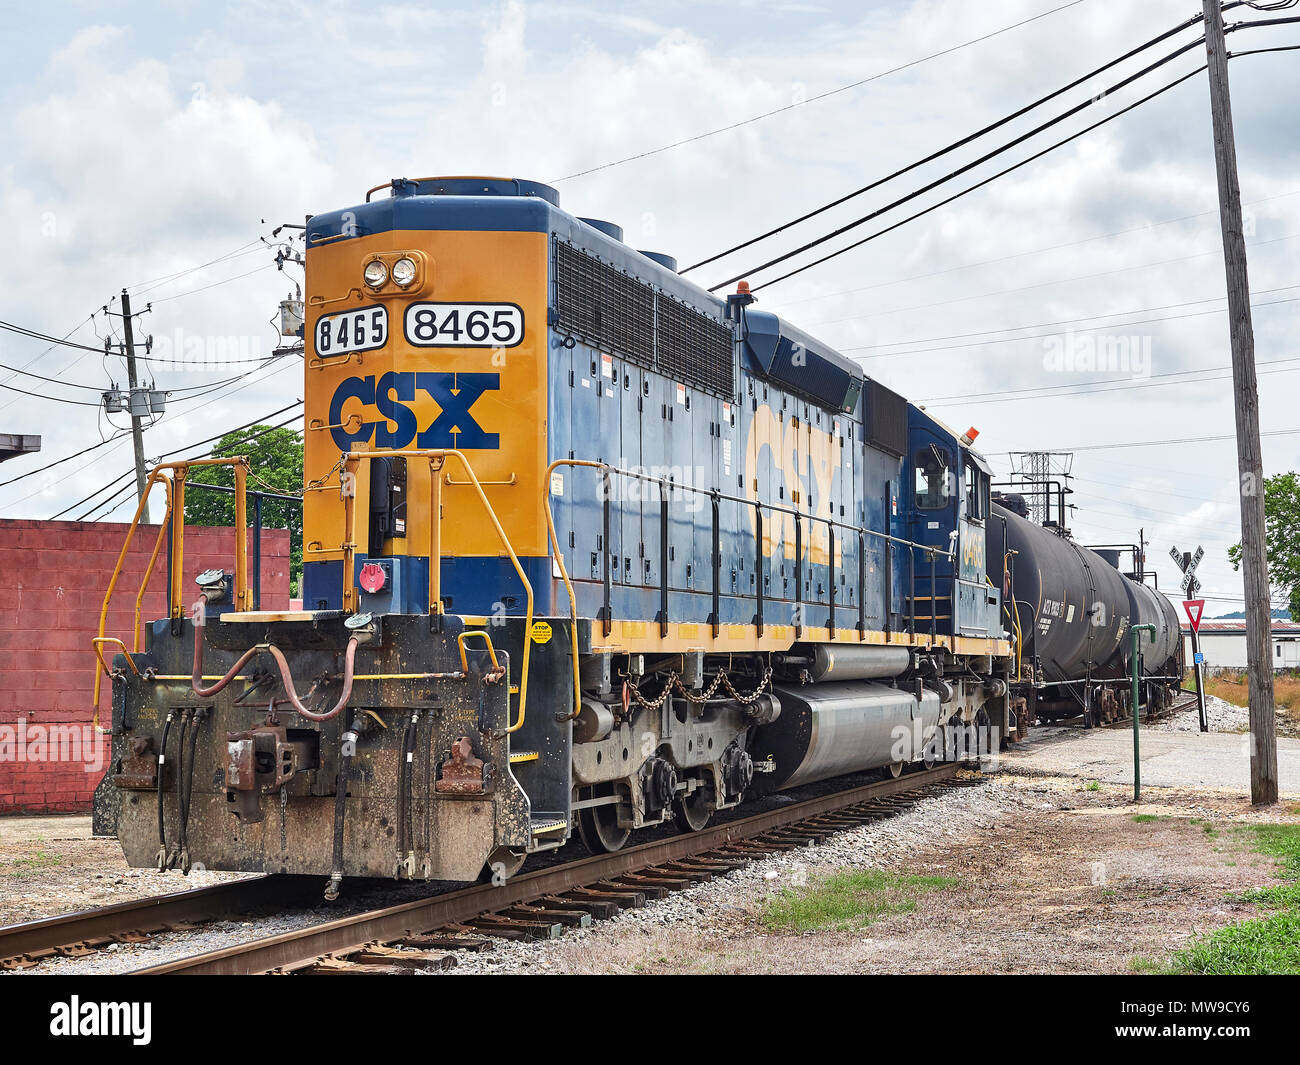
(464, 325)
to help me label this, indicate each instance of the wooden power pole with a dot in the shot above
(137, 435)
(1250, 464)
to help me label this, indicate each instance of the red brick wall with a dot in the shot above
(53, 575)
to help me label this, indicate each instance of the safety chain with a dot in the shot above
(273, 488)
(323, 478)
(720, 680)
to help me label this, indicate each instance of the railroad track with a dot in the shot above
(428, 933)
(74, 935)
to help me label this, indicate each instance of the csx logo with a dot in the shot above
(454, 426)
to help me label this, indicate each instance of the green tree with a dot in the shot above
(1281, 538)
(275, 464)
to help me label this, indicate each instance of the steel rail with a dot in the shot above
(22, 945)
(302, 947)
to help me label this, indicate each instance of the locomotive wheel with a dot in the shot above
(692, 812)
(598, 826)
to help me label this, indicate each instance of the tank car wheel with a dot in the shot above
(895, 769)
(692, 812)
(501, 865)
(598, 826)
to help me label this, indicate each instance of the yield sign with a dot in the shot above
(1195, 608)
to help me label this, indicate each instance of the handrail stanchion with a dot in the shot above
(435, 537)
(348, 490)
(715, 558)
(241, 537)
(830, 564)
(176, 608)
(136, 632)
(663, 563)
(798, 575)
(934, 600)
(862, 587)
(607, 610)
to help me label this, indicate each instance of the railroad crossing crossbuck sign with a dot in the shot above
(1188, 563)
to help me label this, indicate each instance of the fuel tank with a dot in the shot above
(1072, 605)
(826, 730)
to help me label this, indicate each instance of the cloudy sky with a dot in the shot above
(143, 141)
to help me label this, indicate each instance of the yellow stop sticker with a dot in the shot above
(541, 632)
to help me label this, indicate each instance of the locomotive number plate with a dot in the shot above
(464, 325)
(342, 334)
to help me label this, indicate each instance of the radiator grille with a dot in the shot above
(885, 415)
(693, 347)
(615, 312)
(604, 306)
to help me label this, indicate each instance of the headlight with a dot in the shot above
(404, 272)
(376, 273)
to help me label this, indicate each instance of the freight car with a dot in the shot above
(1071, 608)
(586, 549)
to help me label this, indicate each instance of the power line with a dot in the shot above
(121, 494)
(962, 142)
(46, 338)
(157, 282)
(944, 202)
(813, 99)
(56, 462)
(1039, 284)
(215, 284)
(1057, 391)
(1022, 254)
(986, 181)
(1065, 321)
(1182, 440)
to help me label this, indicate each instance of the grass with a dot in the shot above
(1143, 819)
(1093, 786)
(1264, 945)
(33, 863)
(848, 900)
(1234, 686)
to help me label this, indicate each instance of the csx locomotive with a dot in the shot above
(586, 548)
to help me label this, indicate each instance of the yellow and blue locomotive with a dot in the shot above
(586, 549)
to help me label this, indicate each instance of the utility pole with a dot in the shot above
(1250, 464)
(137, 433)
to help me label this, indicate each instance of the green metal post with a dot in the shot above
(1133, 665)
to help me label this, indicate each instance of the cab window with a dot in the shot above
(977, 489)
(933, 478)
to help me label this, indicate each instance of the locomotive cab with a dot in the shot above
(949, 516)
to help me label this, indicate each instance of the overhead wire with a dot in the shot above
(959, 143)
(814, 99)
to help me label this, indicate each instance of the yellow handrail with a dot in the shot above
(175, 510)
(350, 463)
(136, 632)
(564, 573)
(460, 642)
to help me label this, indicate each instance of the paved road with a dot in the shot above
(1169, 759)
